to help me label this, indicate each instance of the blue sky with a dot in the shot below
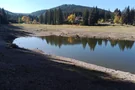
(28, 6)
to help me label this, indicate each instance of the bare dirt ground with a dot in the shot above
(22, 69)
(105, 32)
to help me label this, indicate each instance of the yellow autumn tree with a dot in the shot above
(71, 18)
(116, 19)
(121, 20)
(26, 19)
(34, 21)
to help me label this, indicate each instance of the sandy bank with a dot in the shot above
(114, 73)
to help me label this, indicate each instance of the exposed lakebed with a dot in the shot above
(119, 55)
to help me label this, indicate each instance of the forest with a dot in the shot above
(89, 17)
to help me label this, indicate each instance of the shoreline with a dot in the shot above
(95, 36)
(104, 32)
(122, 75)
(116, 73)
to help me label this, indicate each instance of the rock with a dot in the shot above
(77, 36)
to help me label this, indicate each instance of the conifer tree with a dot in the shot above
(93, 17)
(59, 16)
(132, 16)
(3, 17)
(85, 17)
(41, 18)
(48, 17)
(126, 15)
(45, 17)
(54, 16)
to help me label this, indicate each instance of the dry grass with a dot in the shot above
(85, 28)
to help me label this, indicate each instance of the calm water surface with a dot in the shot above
(118, 55)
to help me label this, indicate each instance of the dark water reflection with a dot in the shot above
(108, 53)
(59, 41)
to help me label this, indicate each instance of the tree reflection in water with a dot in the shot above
(58, 41)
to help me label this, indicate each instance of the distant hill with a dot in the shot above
(37, 13)
(69, 8)
(14, 14)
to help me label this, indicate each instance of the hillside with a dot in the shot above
(68, 8)
(71, 8)
(14, 16)
(37, 13)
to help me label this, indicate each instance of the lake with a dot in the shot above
(119, 55)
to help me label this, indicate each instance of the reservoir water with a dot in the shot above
(119, 55)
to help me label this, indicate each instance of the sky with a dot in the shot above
(28, 6)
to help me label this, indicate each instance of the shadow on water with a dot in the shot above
(91, 42)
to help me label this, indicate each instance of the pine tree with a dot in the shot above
(107, 15)
(132, 16)
(45, 17)
(126, 15)
(43, 21)
(93, 17)
(54, 16)
(3, 17)
(41, 18)
(59, 16)
(96, 14)
(48, 17)
(85, 17)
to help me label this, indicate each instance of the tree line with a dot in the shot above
(127, 16)
(91, 17)
(52, 16)
(87, 17)
(28, 19)
(3, 17)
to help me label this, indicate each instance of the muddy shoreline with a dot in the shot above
(112, 36)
